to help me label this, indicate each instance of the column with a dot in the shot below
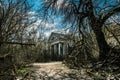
(52, 51)
(59, 49)
(49, 50)
(64, 49)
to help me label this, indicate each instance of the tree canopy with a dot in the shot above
(82, 14)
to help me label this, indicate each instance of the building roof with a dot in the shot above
(56, 36)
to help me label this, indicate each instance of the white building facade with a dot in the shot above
(58, 46)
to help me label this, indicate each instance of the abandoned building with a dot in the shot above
(58, 45)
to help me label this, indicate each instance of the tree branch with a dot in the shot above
(109, 14)
(17, 43)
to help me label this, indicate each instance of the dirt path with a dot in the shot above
(56, 71)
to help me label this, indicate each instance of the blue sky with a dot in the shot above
(46, 26)
(36, 4)
(56, 25)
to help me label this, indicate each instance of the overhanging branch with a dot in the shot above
(109, 14)
(17, 43)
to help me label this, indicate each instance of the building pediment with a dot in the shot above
(56, 37)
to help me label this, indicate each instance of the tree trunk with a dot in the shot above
(104, 48)
(6, 65)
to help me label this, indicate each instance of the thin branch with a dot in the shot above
(113, 34)
(17, 43)
(109, 14)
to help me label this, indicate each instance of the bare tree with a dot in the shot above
(82, 14)
(13, 22)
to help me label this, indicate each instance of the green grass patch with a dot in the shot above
(23, 70)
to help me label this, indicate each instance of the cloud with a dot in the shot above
(44, 27)
(62, 31)
(60, 2)
(47, 33)
(44, 24)
(31, 16)
(32, 13)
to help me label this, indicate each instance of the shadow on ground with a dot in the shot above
(53, 71)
